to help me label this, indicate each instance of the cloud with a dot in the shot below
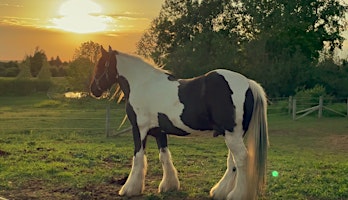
(131, 16)
(19, 21)
(11, 5)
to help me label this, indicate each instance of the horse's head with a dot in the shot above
(105, 72)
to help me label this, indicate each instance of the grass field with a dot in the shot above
(57, 149)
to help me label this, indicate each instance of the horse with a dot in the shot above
(220, 102)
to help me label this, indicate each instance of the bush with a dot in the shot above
(312, 95)
(23, 87)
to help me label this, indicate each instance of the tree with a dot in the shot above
(89, 50)
(276, 42)
(311, 25)
(36, 61)
(24, 68)
(79, 74)
(9, 69)
(181, 25)
(45, 73)
(207, 51)
(55, 62)
(81, 68)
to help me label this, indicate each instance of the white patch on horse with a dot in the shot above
(235, 143)
(170, 180)
(226, 184)
(239, 85)
(160, 96)
(135, 183)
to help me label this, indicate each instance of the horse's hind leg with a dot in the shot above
(170, 179)
(225, 185)
(235, 143)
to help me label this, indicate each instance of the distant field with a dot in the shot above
(57, 149)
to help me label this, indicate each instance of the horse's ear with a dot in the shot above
(103, 51)
(110, 49)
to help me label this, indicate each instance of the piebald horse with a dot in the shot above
(221, 102)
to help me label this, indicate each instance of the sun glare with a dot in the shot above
(81, 16)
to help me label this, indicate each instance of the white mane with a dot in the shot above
(145, 62)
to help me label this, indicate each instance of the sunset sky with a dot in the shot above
(60, 26)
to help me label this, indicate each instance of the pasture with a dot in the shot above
(57, 149)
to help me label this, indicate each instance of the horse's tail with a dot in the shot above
(257, 143)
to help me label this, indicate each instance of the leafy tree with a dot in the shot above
(200, 55)
(281, 75)
(9, 69)
(310, 25)
(276, 42)
(24, 67)
(81, 68)
(180, 27)
(79, 74)
(55, 62)
(89, 50)
(45, 73)
(36, 61)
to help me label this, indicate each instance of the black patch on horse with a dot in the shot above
(131, 115)
(168, 127)
(124, 86)
(161, 137)
(248, 109)
(207, 103)
(171, 77)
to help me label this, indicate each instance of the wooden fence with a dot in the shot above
(319, 107)
(107, 120)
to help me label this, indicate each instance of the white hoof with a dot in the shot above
(169, 185)
(129, 191)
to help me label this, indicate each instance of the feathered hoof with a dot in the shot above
(128, 191)
(169, 186)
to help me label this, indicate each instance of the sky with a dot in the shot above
(60, 26)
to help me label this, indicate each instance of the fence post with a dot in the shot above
(320, 110)
(294, 109)
(107, 121)
(290, 105)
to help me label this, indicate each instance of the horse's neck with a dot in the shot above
(135, 70)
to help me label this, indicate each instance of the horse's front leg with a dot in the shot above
(135, 183)
(170, 180)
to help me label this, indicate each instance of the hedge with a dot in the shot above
(23, 87)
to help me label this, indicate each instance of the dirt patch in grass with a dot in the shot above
(3, 153)
(40, 189)
(338, 142)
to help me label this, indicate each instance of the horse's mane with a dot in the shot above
(148, 62)
(118, 94)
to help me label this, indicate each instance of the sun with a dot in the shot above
(81, 16)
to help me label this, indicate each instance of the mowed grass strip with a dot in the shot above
(45, 156)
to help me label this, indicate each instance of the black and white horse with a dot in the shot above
(220, 102)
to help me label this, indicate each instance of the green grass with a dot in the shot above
(49, 149)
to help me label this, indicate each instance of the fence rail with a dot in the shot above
(108, 118)
(320, 107)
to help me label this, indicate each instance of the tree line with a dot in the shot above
(34, 62)
(77, 72)
(284, 45)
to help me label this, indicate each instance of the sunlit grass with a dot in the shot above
(45, 158)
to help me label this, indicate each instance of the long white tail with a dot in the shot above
(257, 143)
